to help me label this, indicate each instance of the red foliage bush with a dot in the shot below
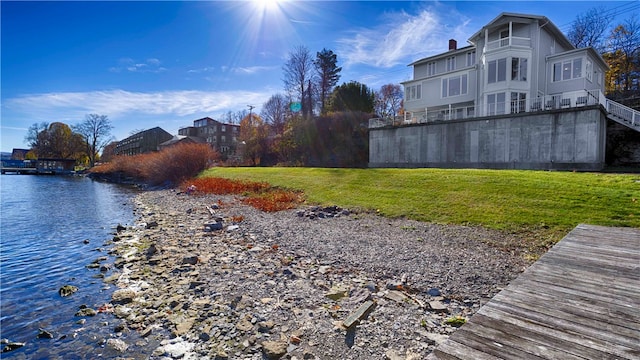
(221, 186)
(274, 200)
(259, 195)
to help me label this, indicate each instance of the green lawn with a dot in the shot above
(545, 205)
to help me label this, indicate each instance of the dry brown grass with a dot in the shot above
(169, 167)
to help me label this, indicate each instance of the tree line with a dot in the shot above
(315, 121)
(82, 142)
(619, 45)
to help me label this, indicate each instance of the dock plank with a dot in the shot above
(581, 300)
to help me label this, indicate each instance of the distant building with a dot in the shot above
(19, 154)
(142, 142)
(182, 139)
(222, 137)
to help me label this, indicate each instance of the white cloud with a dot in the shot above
(151, 65)
(201, 70)
(127, 110)
(401, 38)
(250, 70)
(121, 103)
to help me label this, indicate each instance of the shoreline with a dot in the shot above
(204, 276)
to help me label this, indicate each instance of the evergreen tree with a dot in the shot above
(328, 71)
(352, 96)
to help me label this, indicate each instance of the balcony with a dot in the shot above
(574, 99)
(508, 41)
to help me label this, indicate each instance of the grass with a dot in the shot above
(541, 205)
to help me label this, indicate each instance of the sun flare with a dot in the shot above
(266, 5)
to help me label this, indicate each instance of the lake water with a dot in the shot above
(51, 228)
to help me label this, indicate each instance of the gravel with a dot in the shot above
(206, 277)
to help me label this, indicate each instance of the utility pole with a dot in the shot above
(251, 107)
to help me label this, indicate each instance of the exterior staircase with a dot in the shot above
(622, 114)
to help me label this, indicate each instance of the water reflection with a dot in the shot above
(44, 223)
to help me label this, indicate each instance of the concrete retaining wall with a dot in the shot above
(564, 139)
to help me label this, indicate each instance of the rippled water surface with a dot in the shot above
(44, 223)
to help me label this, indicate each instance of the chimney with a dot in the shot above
(453, 44)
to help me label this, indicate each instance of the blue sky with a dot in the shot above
(156, 63)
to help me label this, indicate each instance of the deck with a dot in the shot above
(581, 300)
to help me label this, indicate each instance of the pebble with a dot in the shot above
(280, 285)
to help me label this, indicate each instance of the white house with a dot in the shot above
(515, 63)
(518, 96)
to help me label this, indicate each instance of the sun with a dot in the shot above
(266, 5)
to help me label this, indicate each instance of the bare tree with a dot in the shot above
(234, 117)
(33, 134)
(624, 46)
(328, 73)
(297, 77)
(588, 29)
(389, 100)
(136, 131)
(96, 131)
(274, 112)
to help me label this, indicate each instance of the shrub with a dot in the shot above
(171, 166)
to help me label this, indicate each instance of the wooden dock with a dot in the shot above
(581, 300)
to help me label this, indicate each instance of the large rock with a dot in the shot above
(123, 296)
(67, 290)
(274, 349)
(117, 345)
(86, 312)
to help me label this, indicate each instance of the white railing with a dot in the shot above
(625, 113)
(509, 41)
(573, 99)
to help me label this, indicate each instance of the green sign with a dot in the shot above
(295, 106)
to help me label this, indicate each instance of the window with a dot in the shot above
(589, 70)
(519, 69)
(451, 63)
(413, 92)
(567, 70)
(454, 86)
(223, 129)
(504, 38)
(223, 138)
(577, 68)
(518, 102)
(495, 103)
(471, 58)
(431, 68)
(497, 71)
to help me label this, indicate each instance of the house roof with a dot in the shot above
(596, 55)
(497, 21)
(546, 23)
(441, 55)
(179, 138)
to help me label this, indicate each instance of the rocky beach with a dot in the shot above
(208, 277)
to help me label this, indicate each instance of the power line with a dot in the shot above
(613, 12)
